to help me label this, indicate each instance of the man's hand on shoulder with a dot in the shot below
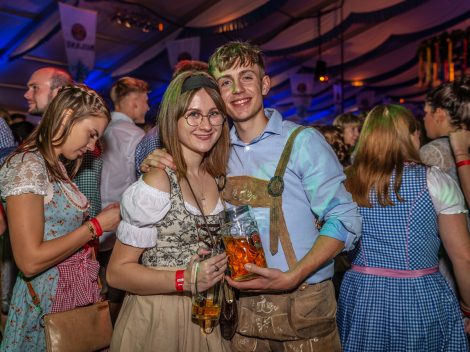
(160, 159)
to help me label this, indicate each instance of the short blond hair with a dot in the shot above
(126, 85)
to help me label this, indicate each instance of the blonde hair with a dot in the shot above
(236, 53)
(126, 85)
(384, 146)
(173, 107)
(71, 104)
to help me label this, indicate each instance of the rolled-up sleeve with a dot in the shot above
(323, 181)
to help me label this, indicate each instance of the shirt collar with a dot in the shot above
(274, 126)
(119, 116)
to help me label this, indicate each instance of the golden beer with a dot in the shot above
(243, 250)
(205, 310)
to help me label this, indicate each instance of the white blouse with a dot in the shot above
(445, 192)
(142, 206)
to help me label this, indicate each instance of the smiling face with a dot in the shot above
(242, 89)
(82, 137)
(39, 93)
(198, 139)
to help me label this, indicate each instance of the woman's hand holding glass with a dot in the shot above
(210, 270)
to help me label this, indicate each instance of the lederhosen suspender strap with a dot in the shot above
(241, 190)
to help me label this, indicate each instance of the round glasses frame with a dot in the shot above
(196, 118)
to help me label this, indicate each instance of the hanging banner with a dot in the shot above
(365, 100)
(183, 49)
(338, 97)
(301, 86)
(79, 31)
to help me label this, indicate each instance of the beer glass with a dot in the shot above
(242, 242)
(206, 305)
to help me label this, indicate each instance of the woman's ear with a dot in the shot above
(441, 115)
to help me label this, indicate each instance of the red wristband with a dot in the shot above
(97, 226)
(179, 280)
(462, 163)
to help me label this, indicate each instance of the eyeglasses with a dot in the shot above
(194, 118)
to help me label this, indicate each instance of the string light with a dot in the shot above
(146, 23)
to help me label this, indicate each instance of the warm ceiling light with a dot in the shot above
(128, 22)
(321, 71)
(401, 100)
(357, 83)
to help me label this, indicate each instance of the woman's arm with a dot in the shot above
(26, 225)
(456, 239)
(460, 143)
(3, 220)
(32, 254)
(125, 272)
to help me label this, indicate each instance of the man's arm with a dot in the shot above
(145, 147)
(159, 158)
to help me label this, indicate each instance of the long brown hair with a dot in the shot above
(383, 147)
(71, 104)
(173, 107)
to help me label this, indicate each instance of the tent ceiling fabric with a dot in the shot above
(381, 39)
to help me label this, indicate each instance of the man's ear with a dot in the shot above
(55, 91)
(265, 85)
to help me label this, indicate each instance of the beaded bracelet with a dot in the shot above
(92, 230)
(179, 280)
(463, 162)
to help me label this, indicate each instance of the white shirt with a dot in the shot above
(119, 142)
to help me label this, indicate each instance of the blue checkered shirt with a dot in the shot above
(148, 144)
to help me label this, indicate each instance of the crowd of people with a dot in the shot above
(365, 232)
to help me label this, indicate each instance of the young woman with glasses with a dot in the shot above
(155, 255)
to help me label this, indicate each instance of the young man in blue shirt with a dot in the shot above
(312, 192)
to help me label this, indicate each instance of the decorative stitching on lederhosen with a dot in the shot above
(258, 193)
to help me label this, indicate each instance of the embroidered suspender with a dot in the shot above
(242, 190)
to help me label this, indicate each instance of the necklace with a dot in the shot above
(201, 196)
(72, 193)
(210, 229)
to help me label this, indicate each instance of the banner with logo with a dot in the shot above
(183, 49)
(338, 97)
(301, 86)
(79, 31)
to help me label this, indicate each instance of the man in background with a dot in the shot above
(43, 86)
(130, 99)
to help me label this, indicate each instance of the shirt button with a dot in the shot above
(247, 148)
